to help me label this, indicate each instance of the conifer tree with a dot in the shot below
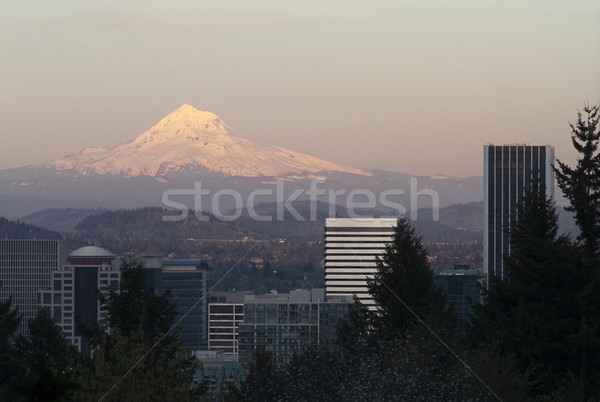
(133, 301)
(581, 186)
(404, 286)
(12, 370)
(47, 348)
(531, 315)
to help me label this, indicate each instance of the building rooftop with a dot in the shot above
(196, 262)
(90, 252)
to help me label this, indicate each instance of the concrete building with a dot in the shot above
(351, 245)
(186, 281)
(73, 295)
(282, 326)
(508, 171)
(225, 312)
(26, 267)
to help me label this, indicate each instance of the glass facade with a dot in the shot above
(186, 281)
(508, 171)
(461, 287)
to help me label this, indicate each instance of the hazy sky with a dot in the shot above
(313, 76)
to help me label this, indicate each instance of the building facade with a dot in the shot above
(72, 299)
(26, 267)
(225, 312)
(508, 171)
(351, 245)
(283, 327)
(185, 279)
(462, 287)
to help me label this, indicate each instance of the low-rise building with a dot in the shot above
(285, 324)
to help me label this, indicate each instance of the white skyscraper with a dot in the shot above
(351, 245)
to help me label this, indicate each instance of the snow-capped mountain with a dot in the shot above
(194, 140)
(189, 148)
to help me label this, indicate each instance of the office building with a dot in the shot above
(26, 267)
(185, 279)
(225, 312)
(462, 286)
(282, 326)
(508, 171)
(351, 246)
(72, 299)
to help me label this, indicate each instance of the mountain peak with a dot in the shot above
(188, 139)
(186, 110)
(189, 118)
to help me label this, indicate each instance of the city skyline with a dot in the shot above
(431, 81)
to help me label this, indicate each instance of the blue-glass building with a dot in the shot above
(462, 287)
(185, 279)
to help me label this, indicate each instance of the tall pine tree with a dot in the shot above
(530, 314)
(404, 286)
(581, 186)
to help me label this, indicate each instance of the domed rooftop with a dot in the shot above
(91, 251)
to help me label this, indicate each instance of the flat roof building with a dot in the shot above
(282, 326)
(351, 245)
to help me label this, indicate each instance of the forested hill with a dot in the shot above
(19, 230)
(144, 228)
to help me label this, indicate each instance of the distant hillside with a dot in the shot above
(60, 219)
(19, 230)
(459, 216)
(457, 222)
(143, 229)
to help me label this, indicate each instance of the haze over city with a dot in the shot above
(426, 84)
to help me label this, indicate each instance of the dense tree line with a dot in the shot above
(19, 230)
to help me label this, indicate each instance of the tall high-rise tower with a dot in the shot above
(72, 300)
(26, 267)
(351, 245)
(508, 171)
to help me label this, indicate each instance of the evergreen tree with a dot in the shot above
(263, 383)
(404, 286)
(46, 349)
(129, 368)
(532, 315)
(12, 368)
(49, 388)
(581, 184)
(126, 307)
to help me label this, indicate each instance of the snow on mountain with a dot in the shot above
(189, 140)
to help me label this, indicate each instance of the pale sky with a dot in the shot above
(313, 76)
